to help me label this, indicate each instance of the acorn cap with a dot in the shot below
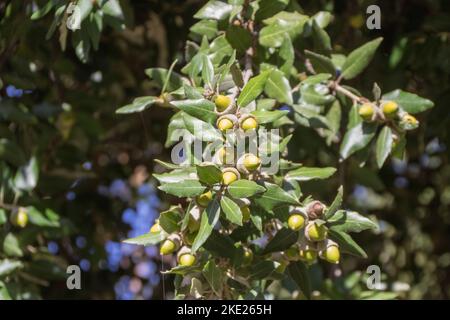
(231, 169)
(175, 238)
(315, 209)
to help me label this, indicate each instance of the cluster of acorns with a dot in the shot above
(387, 110)
(314, 242)
(229, 119)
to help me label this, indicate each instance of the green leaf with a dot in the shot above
(357, 138)
(262, 269)
(11, 246)
(214, 10)
(253, 88)
(321, 38)
(298, 271)
(307, 173)
(384, 145)
(264, 117)
(222, 246)
(147, 239)
(358, 60)
(409, 102)
(274, 197)
(282, 240)
(3, 217)
(7, 266)
(186, 188)
(278, 26)
(346, 243)
(238, 38)
(169, 220)
(139, 104)
(278, 87)
(207, 71)
(321, 63)
(337, 202)
(43, 10)
(43, 219)
(232, 211)
(350, 221)
(213, 274)
(268, 8)
(244, 188)
(202, 130)
(199, 108)
(177, 175)
(209, 219)
(206, 28)
(27, 176)
(209, 173)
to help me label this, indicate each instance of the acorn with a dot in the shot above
(19, 217)
(185, 257)
(331, 252)
(170, 245)
(409, 122)
(281, 268)
(307, 254)
(230, 175)
(222, 102)
(315, 210)
(248, 122)
(296, 221)
(367, 112)
(245, 210)
(226, 122)
(316, 232)
(204, 199)
(389, 108)
(248, 163)
(155, 228)
(248, 256)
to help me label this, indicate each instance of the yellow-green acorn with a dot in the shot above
(296, 222)
(229, 175)
(331, 253)
(251, 162)
(186, 260)
(19, 217)
(248, 256)
(308, 255)
(248, 122)
(245, 210)
(316, 232)
(155, 228)
(204, 199)
(222, 102)
(366, 111)
(168, 247)
(389, 108)
(226, 122)
(409, 119)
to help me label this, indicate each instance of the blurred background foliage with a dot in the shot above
(84, 173)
